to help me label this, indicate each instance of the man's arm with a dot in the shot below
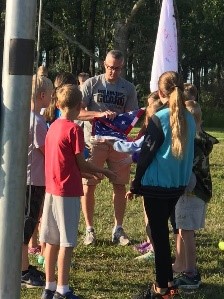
(90, 115)
(85, 114)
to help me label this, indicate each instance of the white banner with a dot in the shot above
(166, 53)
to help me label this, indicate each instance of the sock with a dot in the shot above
(51, 285)
(116, 228)
(63, 289)
(89, 228)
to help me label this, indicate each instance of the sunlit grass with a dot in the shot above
(110, 272)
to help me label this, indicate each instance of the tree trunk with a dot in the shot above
(78, 57)
(122, 30)
(89, 64)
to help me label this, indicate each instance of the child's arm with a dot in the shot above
(128, 146)
(88, 167)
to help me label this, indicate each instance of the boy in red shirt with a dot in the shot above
(64, 163)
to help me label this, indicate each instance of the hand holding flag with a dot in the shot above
(118, 128)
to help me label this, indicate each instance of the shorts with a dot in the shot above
(102, 152)
(190, 213)
(33, 209)
(60, 220)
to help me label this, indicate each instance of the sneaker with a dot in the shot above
(34, 250)
(38, 272)
(90, 237)
(148, 256)
(142, 247)
(184, 281)
(32, 279)
(156, 295)
(68, 295)
(47, 294)
(120, 237)
(174, 292)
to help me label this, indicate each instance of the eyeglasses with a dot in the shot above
(112, 68)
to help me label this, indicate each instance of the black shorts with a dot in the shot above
(36, 206)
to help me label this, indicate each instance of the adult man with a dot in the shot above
(107, 95)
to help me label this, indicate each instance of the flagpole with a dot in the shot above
(17, 73)
(179, 51)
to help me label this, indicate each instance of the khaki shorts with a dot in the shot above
(60, 219)
(102, 153)
(190, 213)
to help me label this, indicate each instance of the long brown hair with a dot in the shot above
(60, 80)
(171, 87)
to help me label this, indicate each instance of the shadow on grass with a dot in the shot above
(206, 291)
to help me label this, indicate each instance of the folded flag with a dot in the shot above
(118, 128)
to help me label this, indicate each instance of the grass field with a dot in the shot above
(110, 272)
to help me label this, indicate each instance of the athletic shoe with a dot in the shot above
(174, 292)
(148, 256)
(34, 250)
(142, 247)
(90, 237)
(171, 293)
(184, 281)
(38, 272)
(32, 279)
(68, 295)
(120, 237)
(47, 294)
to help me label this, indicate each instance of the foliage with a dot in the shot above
(101, 25)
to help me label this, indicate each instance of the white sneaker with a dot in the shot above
(90, 237)
(120, 237)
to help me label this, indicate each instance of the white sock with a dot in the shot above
(51, 285)
(116, 228)
(63, 289)
(89, 228)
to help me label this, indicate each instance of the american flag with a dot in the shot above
(118, 128)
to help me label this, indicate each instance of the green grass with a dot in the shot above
(110, 272)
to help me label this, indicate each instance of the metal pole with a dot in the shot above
(15, 109)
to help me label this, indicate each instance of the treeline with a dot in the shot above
(89, 28)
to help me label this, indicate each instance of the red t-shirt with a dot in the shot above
(64, 140)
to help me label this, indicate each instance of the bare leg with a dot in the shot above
(64, 262)
(190, 249)
(51, 255)
(147, 226)
(88, 203)
(179, 264)
(33, 240)
(119, 203)
(25, 258)
(43, 247)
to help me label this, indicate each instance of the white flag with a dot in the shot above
(166, 54)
